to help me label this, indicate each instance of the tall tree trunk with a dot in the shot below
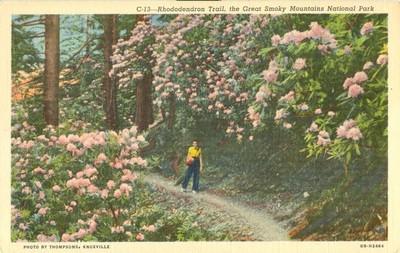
(144, 98)
(172, 111)
(51, 68)
(87, 32)
(110, 103)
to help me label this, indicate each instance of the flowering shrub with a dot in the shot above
(75, 186)
(214, 66)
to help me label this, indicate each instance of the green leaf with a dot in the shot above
(265, 51)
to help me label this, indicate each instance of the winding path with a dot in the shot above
(263, 226)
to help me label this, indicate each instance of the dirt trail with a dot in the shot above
(263, 226)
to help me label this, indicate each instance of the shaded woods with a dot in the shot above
(290, 112)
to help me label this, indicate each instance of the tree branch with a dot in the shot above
(32, 22)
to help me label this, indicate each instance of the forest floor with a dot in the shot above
(243, 221)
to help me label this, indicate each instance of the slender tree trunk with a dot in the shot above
(172, 112)
(87, 32)
(51, 68)
(110, 103)
(144, 103)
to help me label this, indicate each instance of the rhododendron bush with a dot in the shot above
(326, 81)
(71, 186)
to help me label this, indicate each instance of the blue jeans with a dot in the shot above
(195, 170)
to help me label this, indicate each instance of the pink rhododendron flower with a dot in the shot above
(280, 114)
(110, 184)
(367, 28)
(92, 188)
(360, 77)
(382, 59)
(150, 228)
(368, 65)
(38, 184)
(66, 237)
(323, 138)
(117, 229)
(355, 90)
(140, 237)
(349, 130)
(43, 211)
(313, 127)
(288, 97)
(63, 140)
(104, 194)
(354, 133)
(117, 193)
(276, 39)
(270, 75)
(287, 125)
(348, 82)
(56, 188)
(92, 226)
(303, 107)
(299, 64)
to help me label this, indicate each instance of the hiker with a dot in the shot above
(195, 166)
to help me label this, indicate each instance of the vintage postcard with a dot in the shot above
(206, 126)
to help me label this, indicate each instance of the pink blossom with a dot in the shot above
(42, 195)
(349, 130)
(287, 125)
(140, 237)
(80, 234)
(117, 193)
(92, 226)
(79, 174)
(354, 133)
(110, 184)
(323, 49)
(38, 184)
(360, 77)
(71, 147)
(280, 114)
(89, 171)
(63, 140)
(276, 39)
(73, 203)
(313, 127)
(66, 237)
(348, 82)
(355, 90)
(56, 188)
(92, 188)
(303, 107)
(118, 229)
(270, 75)
(150, 228)
(318, 111)
(367, 28)
(104, 194)
(331, 113)
(42, 211)
(368, 65)
(299, 64)
(288, 97)
(323, 138)
(341, 132)
(382, 59)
